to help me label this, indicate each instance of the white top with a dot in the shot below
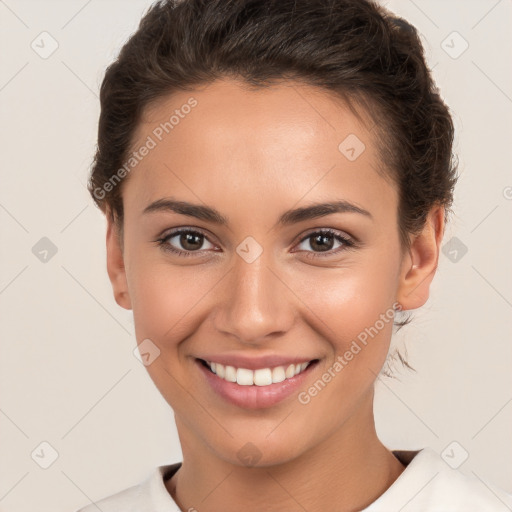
(428, 484)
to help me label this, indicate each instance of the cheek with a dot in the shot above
(345, 302)
(166, 303)
(360, 324)
(165, 299)
(353, 312)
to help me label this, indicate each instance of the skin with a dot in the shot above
(253, 155)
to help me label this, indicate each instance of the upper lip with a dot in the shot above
(255, 362)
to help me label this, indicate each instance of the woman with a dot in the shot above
(276, 177)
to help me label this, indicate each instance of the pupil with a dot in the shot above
(322, 242)
(187, 241)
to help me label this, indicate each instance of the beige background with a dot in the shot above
(68, 374)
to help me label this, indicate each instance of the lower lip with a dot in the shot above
(255, 397)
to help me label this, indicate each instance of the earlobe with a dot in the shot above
(420, 263)
(115, 266)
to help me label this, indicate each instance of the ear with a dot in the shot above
(419, 265)
(115, 266)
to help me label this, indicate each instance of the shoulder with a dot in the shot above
(429, 484)
(149, 496)
(124, 500)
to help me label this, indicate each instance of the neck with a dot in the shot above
(351, 468)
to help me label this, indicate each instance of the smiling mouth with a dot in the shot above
(258, 377)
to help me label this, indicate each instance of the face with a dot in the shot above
(251, 277)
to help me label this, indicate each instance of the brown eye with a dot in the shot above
(191, 241)
(324, 241)
(185, 242)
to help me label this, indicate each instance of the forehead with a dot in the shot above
(286, 142)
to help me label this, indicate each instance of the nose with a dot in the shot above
(255, 305)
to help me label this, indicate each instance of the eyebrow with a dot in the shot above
(290, 217)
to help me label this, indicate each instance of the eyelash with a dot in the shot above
(347, 243)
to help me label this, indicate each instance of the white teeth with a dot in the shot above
(260, 377)
(290, 371)
(230, 374)
(220, 370)
(278, 374)
(263, 377)
(244, 377)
